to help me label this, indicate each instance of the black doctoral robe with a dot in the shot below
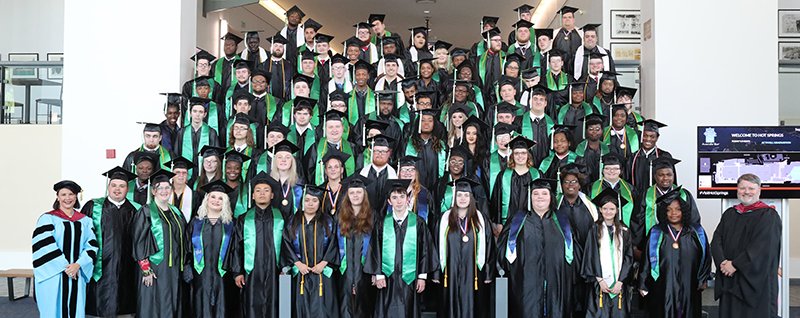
(682, 271)
(115, 292)
(540, 279)
(399, 299)
(464, 296)
(213, 295)
(168, 296)
(259, 296)
(311, 242)
(592, 268)
(355, 291)
(752, 241)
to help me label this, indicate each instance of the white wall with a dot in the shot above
(251, 17)
(37, 26)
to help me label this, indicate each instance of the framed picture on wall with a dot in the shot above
(55, 72)
(626, 24)
(631, 51)
(789, 51)
(24, 72)
(789, 23)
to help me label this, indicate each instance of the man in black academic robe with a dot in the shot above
(256, 266)
(400, 281)
(151, 145)
(112, 288)
(293, 32)
(380, 172)
(426, 144)
(169, 127)
(567, 38)
(145, 165)
(747, 249)
(197, 128)
(222, 69)
(640, 165)
(281, 69)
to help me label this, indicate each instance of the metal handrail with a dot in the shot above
(31, 63)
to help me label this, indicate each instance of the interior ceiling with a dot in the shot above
(454, 21)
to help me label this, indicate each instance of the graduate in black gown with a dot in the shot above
(356, 218)
(255, 251)
(378, 171)
(582, 213)
(427, 144)
(145, 165)
(467, 254)
(592, 148)
(641, 163)
(536, 251)
(619, 137)
(400, 257)
(608, 260)
(509, 193)
(746, 249)
(313, 252)
(112, 288)
(210, 233)
(677, 263)
(163, 251)
(334, 173)
(567, 37)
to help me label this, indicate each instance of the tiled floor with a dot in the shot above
(26, 308)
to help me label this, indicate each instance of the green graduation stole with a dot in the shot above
(409, 248)
(322, 149)
(482, 64)
(197, 243)
(352, 108)
(442, 156)
(271, 105)
(478, 94)
(374, 38)
(447, 196)
(624, 191)
(494, 168)
(131, 189)
(610, 238)
(562, 111)
(480, 48)
(527, 126)
(315, 88)
(506, 190)
(547, 161)
(403, 114)
(250, 237)
(97, 217)
(231, 86)
(650, 198)
(158, 233)
(630, 135)
(212, 119)
(581, 149)
(310, 137)
(562, 81)
(187, 148)
(262, 166)
(286, 111)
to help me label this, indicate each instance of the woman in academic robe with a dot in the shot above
(162, 249)
(210, 233)
(510, 186)
(419, 197)
(234, 164)
(356, 218)
(608, 260)
(677, 264)
(334, 173)
(619, 137)
(284, 170)
(313, 253)
(561, 154)
(417, 49)
(210, 169)
(457, 116)
(536, 251)
(64, 251)
(183, 197)
(466, 256)
(478, 163)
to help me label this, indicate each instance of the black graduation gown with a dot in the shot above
(211, 292)
(574, 117)
(168, 295)
(752, 241)
(638, 226)
(168, 135)
(428, 165)
(259, 296)
(460, 298)
(310, 297)
(541, 135)
(362, 303)
(540, 280)
(568, 42)
(139, 193)
(313, 157)
(399, 299)
(213, 140)
(227, 75)
(681, 273)
(592, 268)
(493, 72)
(377, 189)
(591, 158)
(291, 48)
(585, 68)
(115, 292)
(581, 222)
(615, 146)
(518, 199)
(332, 196)
(639, 168)
(282, 71)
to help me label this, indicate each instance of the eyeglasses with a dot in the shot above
(410, 169)
(259, 82)
(570, 182)
(240, 128)
(424, 103)
(163, 188)
(456, 162)
(380, 151)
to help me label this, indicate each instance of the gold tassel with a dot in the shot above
(619, 301)
(601, 298)
(320, 285)
(445, 277)
(303, 282)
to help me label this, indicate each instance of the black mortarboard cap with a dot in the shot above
(523, 8)
(308, 55)
(236, 156)
(150, 127)
(203, 55)
(180, 163)
(362, 25)
(335, 154)
(232, 36)
(338, 58)
(278, 38)
(334, 115)
(406, 161)
(540, 89)
(573, 168)
(397, 184)
(376, 17)
(507, 80)
(476, 122)
(514, 57)
(506, 108)
(69, 184)
(140, 156)
(119, 173)
(567, 9)
(301, 102)
(522, 24)
(242, 119)
(651, 125)
(353, 41)
(595, 55)
(381, 140)
(323, 38)
(458, 108)
(260, 72)
(613, 158)
(544, 183)
(386, 95)
(520, 142)
(626, 91)
(296, 9)
(314, 191)
(503, 128)
(264, 178)
(338, 95)
(217, 186)
(311, 24)
(377, 124)
(198, 101)
(461, 152)
(208, 151)
(162, 175)
(577, 86)
(459, 52)
(363, 65)
(590, 27)
(419, 29)
(530, 73)
(609, 75)
(464, 184)
(667, 198)
(544, 32)
(490, 20)
(173, 98)
(490, 33)
(284, 145)
(594, 119)
(439, 44)
(244, 63)
(664, 162)
(356, 181)
(300, 77)
(609, 195)
(244, 95)
(278, 127)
